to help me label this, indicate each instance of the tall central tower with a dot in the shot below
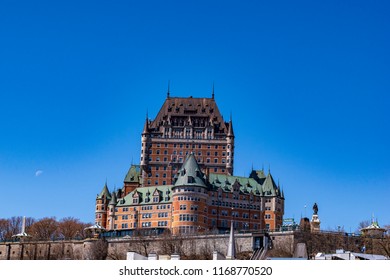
(184, 126)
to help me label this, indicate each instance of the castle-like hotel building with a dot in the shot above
(185, 180)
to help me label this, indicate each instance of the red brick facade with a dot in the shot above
(185, 181)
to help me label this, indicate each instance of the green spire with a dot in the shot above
(105, 192)
(190, 173)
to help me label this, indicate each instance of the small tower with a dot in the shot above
(111, 210)
(102, 201)
(192, 181)
(274, 203)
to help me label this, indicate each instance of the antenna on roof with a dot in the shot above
(212, 93)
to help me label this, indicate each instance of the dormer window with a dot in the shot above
(191, 180)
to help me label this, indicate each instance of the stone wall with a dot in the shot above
(50, 250)
(189, 247)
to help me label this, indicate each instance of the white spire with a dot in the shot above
(231, 254)
(23, 233)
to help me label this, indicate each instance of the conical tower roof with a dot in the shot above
(190, 174)
(230, 128)
(146, 126)
(113, 200)
(105, 192)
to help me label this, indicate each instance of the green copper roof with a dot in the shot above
(190, 174)
(105, 192)
(113, 199)
(269, 186)
(227, 183)
(145, 196)
(133, 174)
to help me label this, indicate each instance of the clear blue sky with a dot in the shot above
(307, 84)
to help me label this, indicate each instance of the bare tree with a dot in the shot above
(71, 228)
(116, 254)
(99, 250)
(384, 243)
(143, 245)
(363, 224)
(44, 229)
(15, 225)
(5, 232)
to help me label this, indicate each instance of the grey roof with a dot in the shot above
(95, 227)
(145, 196)
(132, 175)
(113, 200)
(269, 186)
(190, 174)
(370, 256)
(105, 192)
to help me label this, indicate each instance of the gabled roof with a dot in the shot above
(105, 192)
(269, 186)
(258, 175)
(132, 175)
(190, 174)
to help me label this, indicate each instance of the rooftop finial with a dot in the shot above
(168, 92)
(230, 129)
(212, 93)
(146, 126)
